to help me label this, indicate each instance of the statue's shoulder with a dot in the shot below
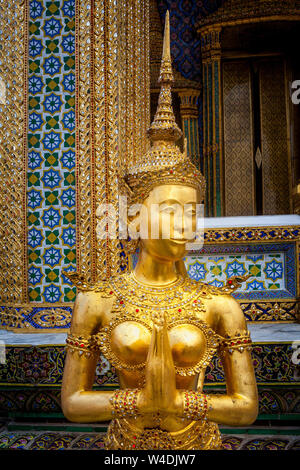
(231, 286)
(84, 285)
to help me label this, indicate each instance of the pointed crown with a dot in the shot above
(164, 163)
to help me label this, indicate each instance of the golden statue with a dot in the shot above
(155, 325)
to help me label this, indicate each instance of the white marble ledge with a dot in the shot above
(260, 333)
(252, 221)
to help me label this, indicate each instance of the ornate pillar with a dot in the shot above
(74, 104)
(112, 117)
(212, 119)
(189, 116)
(13, 152)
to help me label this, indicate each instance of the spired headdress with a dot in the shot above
(164, 163)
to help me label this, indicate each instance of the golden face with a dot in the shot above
(168, 221)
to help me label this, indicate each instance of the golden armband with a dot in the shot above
(124, 403)
(194, 405)
(83, 345)
(240, 342)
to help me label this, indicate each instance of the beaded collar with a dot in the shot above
(130, 291)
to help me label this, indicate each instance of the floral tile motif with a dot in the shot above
(51, 150)
(272, 269)
(267, 272)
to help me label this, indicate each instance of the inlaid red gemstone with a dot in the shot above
(137, 310)
(230, 282)
(111, 292)
(179, 310)
(121, 301)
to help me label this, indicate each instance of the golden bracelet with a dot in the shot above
(124, 403)
(194, 405)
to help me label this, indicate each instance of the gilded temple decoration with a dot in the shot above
(75, 86)
(233, 12)
(125, 107)
(212, 120)
(238, 144)
(189, 115)
(227, 23)
(112, 119)
(13, 152)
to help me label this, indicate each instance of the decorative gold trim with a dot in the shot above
(230, 234)
(13, 148)
(109, 96)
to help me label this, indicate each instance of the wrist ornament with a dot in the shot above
(124, 403)
(194, 405)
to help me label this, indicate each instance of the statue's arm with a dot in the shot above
(239, 406)
(79, 402)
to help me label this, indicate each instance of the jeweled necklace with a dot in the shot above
(131, 291)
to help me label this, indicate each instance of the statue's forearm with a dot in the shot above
(88, 406)
(233, 410)
(79, 402)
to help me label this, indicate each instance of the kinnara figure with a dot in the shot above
(155, 325)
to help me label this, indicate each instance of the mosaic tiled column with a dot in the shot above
(74, 107)
(212, 120)
(189, 116)
(13, 151)
(51, 151)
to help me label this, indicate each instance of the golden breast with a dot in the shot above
(130, 343)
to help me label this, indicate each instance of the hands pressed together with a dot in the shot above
(160, 395)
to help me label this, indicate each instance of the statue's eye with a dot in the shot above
(190, 213)
(168, 210)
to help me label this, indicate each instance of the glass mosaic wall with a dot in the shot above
(51, 150)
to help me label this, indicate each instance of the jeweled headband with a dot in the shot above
(164, 163)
